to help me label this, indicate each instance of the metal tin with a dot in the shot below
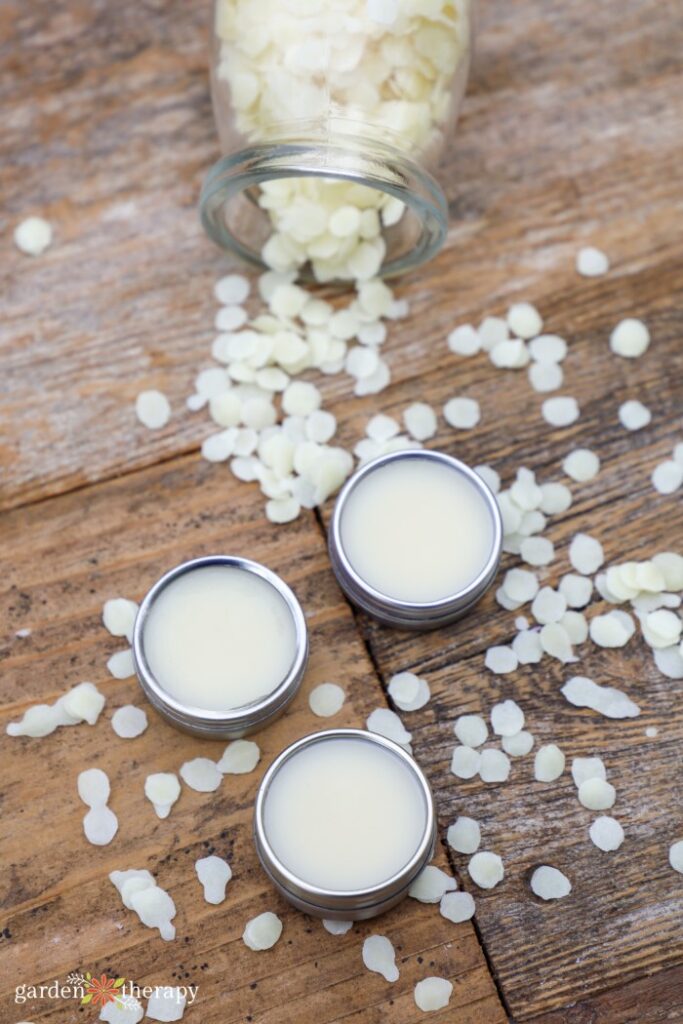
(355, 904)
(233, 722)
(404, 614)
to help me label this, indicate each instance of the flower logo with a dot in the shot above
(102, 990)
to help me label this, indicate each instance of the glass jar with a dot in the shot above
(332, 116)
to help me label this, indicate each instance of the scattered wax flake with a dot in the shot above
(489, 476)
(457, 906)
(230, 318)
(669, 661)
(387, 723)
(465, 762)
(507, 718)
(664, 627)
(612, 703)
(597, 794)
(300, 398)
(337, 927)
(494, 765)
(611, 629)
(555, 499)
(518, 745)
(545, 377)
(527, 647)
(464, 835)
(633, 415)
(33, 235)
(120, 879)
(93, 787)
(153, 409)
(129, 721)
(560, 411)
(510, 355)
(321, 426)
(591, 262)
(501, 660)
(262, 932)
(548, 349)
(461, 413)
(118, 616)
(492, 330)
(548, 606)
(486, 869)
(525, 492)
(576, 590)
(326, 700)
(587, 768)
(464, 340)
(282, 510)
(83, 703)
(214, 874)
(22, 634)
(548, 763)
(433, 993)
(408, 691)
(156, 909)
(232, 290)
(586, 554)
(671, 566)
(555, 641)
(550, 884)
(676, 856)
(537, 550)
(581, 465)
(201, 774)
(521, 623)
(379, 956)
(420, 421)
(37, 721)
(606, 833)
(630, 338)
(524, 320)
(239, 758)
(471, 730)
(121, 665)
(576, 627)
(667, 477)
(128, 1011)
(100, 825)
(219, 447)
(651, 731)
(431, 884)
(520, 585)
(162, 789)
(167, 1003)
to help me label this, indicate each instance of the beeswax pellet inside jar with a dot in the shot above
(417, 529)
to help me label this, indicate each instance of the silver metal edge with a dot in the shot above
(413, 615)
(236, 721)
(355, 904)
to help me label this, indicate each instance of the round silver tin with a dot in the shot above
(340, 905)
(233, 722)
(405, 614)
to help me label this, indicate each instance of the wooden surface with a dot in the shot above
(571, 133)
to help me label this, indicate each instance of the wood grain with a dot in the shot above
(63, 558)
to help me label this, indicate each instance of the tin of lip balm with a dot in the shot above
(407, 613)
(231, 722)
(343, 903)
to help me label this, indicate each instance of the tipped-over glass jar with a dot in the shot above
(332, 116)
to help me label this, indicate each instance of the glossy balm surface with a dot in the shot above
(344, 814)
(219, 638)
(417, 530)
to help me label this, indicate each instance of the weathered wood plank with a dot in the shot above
(64, 557)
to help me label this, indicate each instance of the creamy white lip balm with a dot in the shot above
(219, 641)
(416, 529)
(344, 823)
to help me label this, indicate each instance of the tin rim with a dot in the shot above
(246, 713)
(321, 898)
(417, 609)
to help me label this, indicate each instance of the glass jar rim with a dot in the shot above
(347, 158)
